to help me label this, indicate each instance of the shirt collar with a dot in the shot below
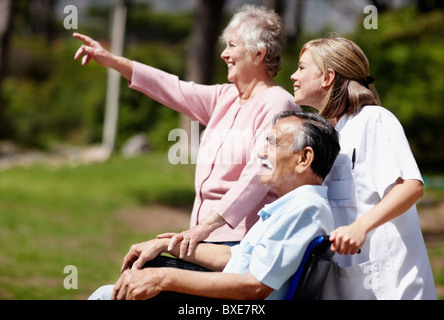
(269, 209)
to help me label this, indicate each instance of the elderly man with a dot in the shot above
(299, 153)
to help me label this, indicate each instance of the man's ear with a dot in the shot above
(329, 77)
(306, 157)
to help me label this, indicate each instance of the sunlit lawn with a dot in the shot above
(54, 217)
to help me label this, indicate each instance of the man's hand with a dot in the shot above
(140, 253)
(148, 283)
(138, 284)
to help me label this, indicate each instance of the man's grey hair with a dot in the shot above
(318, 133)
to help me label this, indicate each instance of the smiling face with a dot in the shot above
(309, 87)
(279, 159)
(239, 60)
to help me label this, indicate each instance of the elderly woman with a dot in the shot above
(374, 183)
(236, 115)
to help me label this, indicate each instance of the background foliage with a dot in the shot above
(406, 56)
(50, 98)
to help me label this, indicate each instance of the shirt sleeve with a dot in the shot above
(279, 253)
(389, 153)
(191, 99)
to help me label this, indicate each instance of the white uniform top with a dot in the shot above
(393, 263)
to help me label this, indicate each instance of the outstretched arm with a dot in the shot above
(93, 50)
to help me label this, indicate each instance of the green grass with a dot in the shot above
(54, 217)
(436, 255)
(432, 205)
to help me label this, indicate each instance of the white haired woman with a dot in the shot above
(228, 191)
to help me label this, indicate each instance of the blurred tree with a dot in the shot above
(202, 50)
(429, 5)
(277, 5)
(406, 56)
(383, 5)
(41, 15)
(160, 40)
(298, 14)
(118, 23)
(6, 13)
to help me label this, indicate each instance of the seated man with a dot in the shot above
(299, 153)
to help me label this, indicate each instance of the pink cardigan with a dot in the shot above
(227, 170)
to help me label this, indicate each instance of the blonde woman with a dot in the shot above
(374, 183)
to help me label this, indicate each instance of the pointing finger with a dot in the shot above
(86, 59)
(79, 53)
(88, 40)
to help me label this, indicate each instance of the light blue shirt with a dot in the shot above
(273, 248)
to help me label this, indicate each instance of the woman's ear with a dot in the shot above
(328, 78)
(260, 56)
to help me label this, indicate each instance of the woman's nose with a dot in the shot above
(224, 55)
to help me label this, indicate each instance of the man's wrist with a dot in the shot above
(163, 245)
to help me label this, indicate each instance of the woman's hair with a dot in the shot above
(316, 132)
(353, 86)
(259, 28)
